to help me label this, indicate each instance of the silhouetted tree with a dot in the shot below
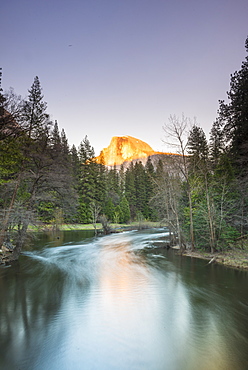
(234, 117)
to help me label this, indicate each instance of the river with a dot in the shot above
(75, 301)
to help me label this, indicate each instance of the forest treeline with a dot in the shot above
(200, 193)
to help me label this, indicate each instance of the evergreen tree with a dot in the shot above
(61, 176)
(92, 180)
(55, 140)
(75, 163)
(31, 178)
(109, 210)
(86, 183)
(216, 143)
(234, 117)
(64, 143)
(100, 183)
(36, 120)
(121, 180)
(118, 216)
(140, 188)
(233, 122)
(42, 177)
(197, 149)
(113, 185)
(125, 210)
(86, 151)
(130, 192)
(149, 182)
(199, 171)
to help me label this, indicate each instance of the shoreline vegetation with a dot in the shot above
(113, 226)
(236, 256)
(200, 192)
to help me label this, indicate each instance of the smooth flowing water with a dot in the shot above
(120, 302)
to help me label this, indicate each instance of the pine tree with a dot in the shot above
(216, 143)
(113, 186)
(61, 177)
(86, 151)
(118, 214)
(64, 143)
(109, 209)
(125, 210)
(234, 117)
(149, 182)
(36, 120)
(197, 149)
(130, 192)
(92, 179)
(100, 183)
(86, 180)
(121, 180)
(32, 176)
(140, 188)
(56, 140)
(201, 181)
(75, 163)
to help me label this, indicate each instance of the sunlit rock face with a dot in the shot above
(124, 149)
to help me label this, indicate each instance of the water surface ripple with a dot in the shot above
(120, 302)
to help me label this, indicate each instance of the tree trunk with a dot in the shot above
(192, 238)
(5, 222)
(210, 219)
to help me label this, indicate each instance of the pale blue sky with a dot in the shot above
(111, 68)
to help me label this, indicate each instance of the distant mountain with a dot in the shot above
(125, 149)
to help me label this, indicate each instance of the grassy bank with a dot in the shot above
(67, 227)
(234, 257)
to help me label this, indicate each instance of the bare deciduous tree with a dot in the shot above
(177, 132)
(95, 210)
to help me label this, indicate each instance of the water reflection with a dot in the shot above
(119, 303)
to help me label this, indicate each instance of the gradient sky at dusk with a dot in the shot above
(112, 68)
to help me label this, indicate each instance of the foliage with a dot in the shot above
(201, 193)
(233, 117)
(125, 211)
(35, 171)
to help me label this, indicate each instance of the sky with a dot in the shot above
(122, 67)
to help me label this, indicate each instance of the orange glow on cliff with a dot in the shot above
(125, 149)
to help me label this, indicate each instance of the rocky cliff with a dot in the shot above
(125, 149)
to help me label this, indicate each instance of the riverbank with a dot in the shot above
(235, 257)
(114, 227)
(9, 252)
